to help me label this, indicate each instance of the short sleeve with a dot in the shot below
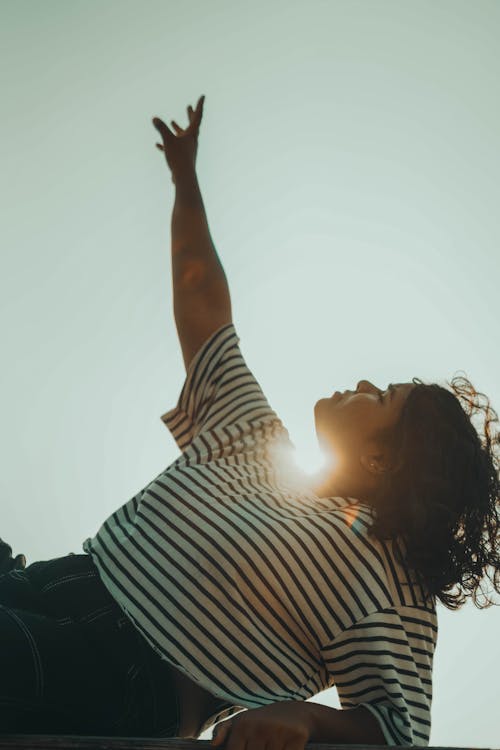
(373, 664)
(219, 391)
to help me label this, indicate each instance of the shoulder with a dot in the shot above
(354, 515)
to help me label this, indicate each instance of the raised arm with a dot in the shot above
(202, 302)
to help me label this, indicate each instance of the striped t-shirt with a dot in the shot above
(240, 576)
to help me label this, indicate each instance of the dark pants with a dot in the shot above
(71, 662)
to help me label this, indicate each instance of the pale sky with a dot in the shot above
(348, 160)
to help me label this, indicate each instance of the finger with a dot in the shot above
(195, 115)
(276, 742)
(221, 732)
(158, 145)
(237, 739)
(199, 110)
(287, 739)
(296, 744)
(257, 742)
(162, 128)
(176, 127)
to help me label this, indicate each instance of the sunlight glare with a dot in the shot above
(310, 458)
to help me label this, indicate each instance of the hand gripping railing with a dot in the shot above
(75, 742)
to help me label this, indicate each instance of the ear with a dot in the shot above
(374, 462)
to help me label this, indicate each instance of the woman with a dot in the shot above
(229, 582)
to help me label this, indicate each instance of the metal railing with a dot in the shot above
(75, 742)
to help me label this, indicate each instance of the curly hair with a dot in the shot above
(442, 497)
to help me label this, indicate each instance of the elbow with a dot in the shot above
(191, 275)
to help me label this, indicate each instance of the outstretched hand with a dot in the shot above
(180, 150)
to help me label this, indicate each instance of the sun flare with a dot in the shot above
(310, 458)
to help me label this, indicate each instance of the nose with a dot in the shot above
(364, 386)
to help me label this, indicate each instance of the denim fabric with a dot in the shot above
(71, 662)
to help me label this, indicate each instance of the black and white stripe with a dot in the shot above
(236, 573)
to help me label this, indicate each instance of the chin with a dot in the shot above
(320, 418)
(319, 405)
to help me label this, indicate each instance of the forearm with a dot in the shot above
(202, 302)
(194, 257)
(353, 726)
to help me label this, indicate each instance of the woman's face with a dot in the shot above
(346, 422)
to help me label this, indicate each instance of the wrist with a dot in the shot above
(333, 725)
(322, 722)
(187, 177)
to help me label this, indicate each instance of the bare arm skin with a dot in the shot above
(202, 302)
(201, 294)
(290, 725)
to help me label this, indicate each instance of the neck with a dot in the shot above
(335, 484)
(326, 485)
